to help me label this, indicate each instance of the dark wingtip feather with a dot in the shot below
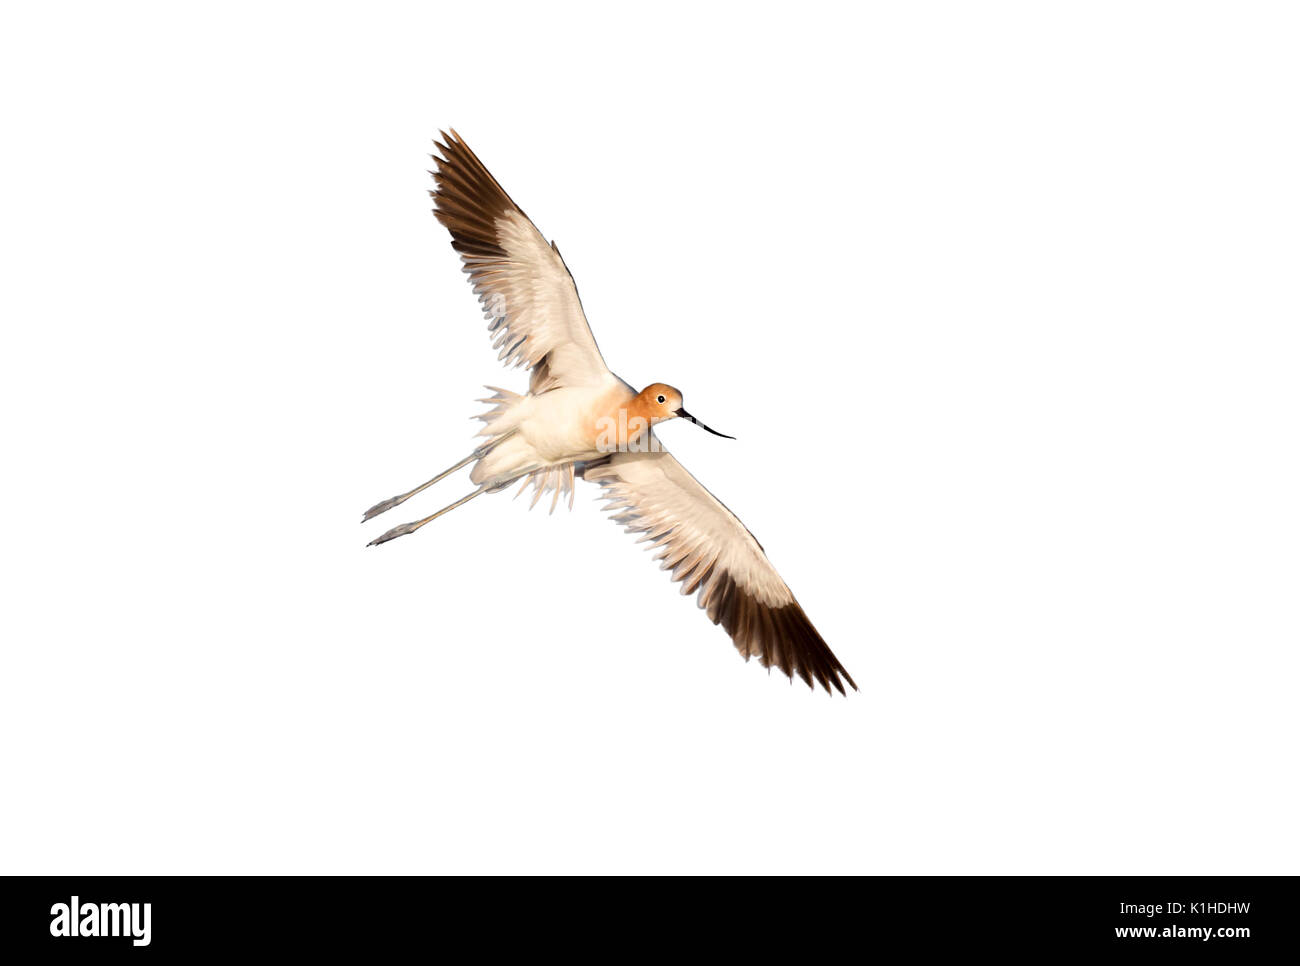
(779, 636)
(468, 199)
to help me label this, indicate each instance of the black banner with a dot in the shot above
(161, 918)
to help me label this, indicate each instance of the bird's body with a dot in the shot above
(549, 430)
(580, 421)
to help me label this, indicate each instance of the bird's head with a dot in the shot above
(662, 402)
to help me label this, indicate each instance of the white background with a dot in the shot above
(1001, 303)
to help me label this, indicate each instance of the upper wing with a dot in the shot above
(709, 549)
(526, 290)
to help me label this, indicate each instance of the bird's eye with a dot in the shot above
(661, 399)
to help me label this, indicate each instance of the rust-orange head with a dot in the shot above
(659, 402)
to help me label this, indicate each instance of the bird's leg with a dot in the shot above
(393, 501)
(406, 528)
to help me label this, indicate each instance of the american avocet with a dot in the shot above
(580, 420)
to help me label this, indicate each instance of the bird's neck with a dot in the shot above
(624, 422)
(639, 408)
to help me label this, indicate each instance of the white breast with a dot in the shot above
(559, 425)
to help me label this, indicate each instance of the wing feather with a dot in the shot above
(708, 549)
(528, 295)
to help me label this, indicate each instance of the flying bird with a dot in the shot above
(580, 421)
